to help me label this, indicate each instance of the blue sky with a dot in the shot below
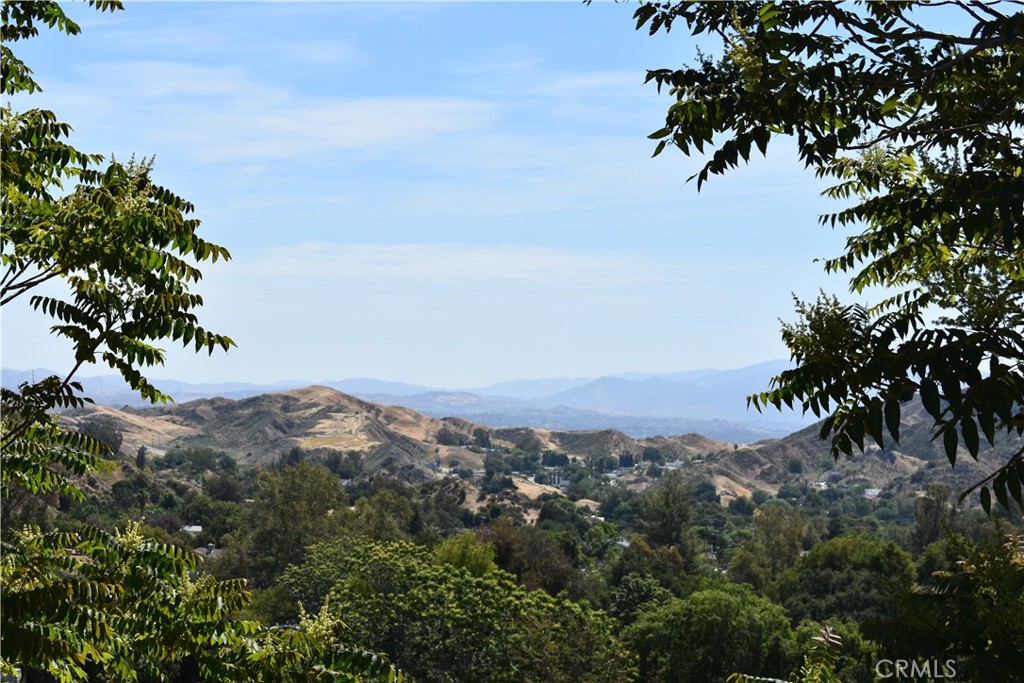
(448, 194)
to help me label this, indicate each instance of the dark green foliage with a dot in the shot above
(387, 515)
(834, 654)
(495, 464)
(932, 512)
(742, 506)
(599, 539)
(970, 613)
(92, 605)
(197, 460)
(526, 440)
(441, 623)
(446, 436)
(225, 487)
(665, 565)
(778, 538)
(850, 577)
(554, 459)
(439, 510)
(291, 510)
(561, 514)
(780, 529)
(653, 455)
(919, 128)
(535, 558)
(620, 505)
(666, 510)
(292, 456)
(712, 633)
(635, 594)
(344, 465)
(853, 659)
(791, 492)
(125, 495)
(481, 438)
(704, 491)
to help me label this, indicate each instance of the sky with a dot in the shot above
(447, 194)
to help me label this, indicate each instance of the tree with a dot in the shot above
(225, 487)
(90, 605)
(120, 604)
(123, 246)
(666, 508)
(710, 634)
(780, 530)
(849, 577)
(441, 623)
(820, 664)
(384, 516)
(291, 510)
(970, 614)
(535, 557)
(920, 128)
(123, 607)
(635, 593)
(932, 512)
(665, 565)
(468, 552)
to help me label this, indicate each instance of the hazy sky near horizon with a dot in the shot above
(448, 194)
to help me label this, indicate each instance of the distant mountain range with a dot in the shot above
(409, 445)
(709, 402)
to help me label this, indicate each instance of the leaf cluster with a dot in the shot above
(92, 605)
(919, 128)
(442, 623)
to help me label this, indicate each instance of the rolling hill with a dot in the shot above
(410, 445)
(710, 402)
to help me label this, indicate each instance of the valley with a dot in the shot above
(416, 448)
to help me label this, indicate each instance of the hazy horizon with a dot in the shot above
(97, 372)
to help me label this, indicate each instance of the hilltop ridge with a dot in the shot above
(709, 402)
(417, 447)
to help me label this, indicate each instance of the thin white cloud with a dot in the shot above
(450, 263)
(594, 83)
(128, 31)
(152, 79)
(221, 115)
(304, 126)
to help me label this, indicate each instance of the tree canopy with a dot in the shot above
(440, 622)
(291, 509)
(919, 127)
(710, 634)
(124, 247)
(970, 613)
(92, 605)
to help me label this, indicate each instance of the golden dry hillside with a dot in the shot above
(411, 445)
